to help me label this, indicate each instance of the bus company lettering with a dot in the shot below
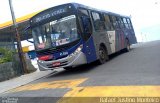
(46, 16)
(63, 53)
(60, 11)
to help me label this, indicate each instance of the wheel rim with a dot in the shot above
(102, 55)
(128, 46)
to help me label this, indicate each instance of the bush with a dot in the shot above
(6, 55)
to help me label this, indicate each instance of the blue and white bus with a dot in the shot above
(72, 34)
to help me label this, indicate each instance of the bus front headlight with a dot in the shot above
(77, 51)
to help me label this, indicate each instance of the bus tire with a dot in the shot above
(103, 55)
(127, 44)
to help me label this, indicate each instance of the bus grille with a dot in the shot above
(49, 51)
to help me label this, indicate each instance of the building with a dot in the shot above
(7, 34)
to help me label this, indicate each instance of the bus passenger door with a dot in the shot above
(90, 50)
(112, 37)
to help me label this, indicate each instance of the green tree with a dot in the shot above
(6, 55)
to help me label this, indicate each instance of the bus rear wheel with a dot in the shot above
(103, 56)
(127, 48)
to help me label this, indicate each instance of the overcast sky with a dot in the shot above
(144, 13)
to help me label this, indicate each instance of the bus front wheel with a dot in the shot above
(103, 56)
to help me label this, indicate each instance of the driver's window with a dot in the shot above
(83, 12)
(85, 16)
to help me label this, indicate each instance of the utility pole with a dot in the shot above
(19, 46)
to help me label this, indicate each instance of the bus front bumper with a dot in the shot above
(69, 61)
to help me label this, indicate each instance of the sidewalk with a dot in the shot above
(22, 80)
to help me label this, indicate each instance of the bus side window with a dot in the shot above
(108, 22)
(129, 23)
(117, 22)
(125, 23)
(120, 22)
(98, 21)
(114, 22)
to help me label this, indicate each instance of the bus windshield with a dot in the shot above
(55, 33)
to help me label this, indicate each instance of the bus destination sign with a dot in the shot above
(47, 15)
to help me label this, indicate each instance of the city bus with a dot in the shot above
(73, 34)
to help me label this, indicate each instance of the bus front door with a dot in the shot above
(89, 47)
(90, 50)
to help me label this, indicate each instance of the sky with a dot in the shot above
(144, 14)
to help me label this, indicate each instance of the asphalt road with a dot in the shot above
(139, 67)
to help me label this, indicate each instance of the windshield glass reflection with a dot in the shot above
(56, 33)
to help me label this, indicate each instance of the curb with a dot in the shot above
(22, 80)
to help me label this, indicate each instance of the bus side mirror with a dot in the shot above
(86, 24)
(26, 33)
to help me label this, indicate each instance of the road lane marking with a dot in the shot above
(50, 85)
(83, 94)
(90, 94)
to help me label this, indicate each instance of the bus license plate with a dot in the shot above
(56, 64)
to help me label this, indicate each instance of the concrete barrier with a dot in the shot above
(12, 69)
(7, 71)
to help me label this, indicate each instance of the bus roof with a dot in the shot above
(77, 5)
(27, 17)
